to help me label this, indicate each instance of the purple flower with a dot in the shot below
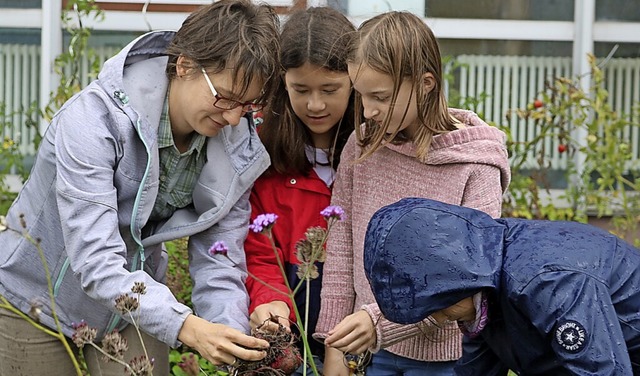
(263, 222)
(219, 248)
(333, 211)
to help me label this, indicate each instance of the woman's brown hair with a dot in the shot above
(230, 34)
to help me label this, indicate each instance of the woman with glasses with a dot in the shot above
(161, 146)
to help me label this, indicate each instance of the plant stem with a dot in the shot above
(306, 324)
(291, 296)
(6, 305)
(279, 261)
(59, 333)
(135, 325)
(305, 341)
(112, 358)
(303, 331)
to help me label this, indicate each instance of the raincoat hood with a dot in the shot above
(421, 256)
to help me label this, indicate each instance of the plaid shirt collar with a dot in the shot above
(165, 137)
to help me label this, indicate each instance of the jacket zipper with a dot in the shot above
(115, 319)
(63, 271)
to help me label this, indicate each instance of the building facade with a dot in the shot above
(505, 50)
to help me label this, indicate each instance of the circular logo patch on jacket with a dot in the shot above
(571, 336)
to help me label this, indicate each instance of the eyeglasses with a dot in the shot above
(229, 104)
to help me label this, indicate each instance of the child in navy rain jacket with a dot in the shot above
(536, 297)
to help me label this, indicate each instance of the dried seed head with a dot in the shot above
(126, 303)
(316, 236)
(140, 366)
(83, 334)
(307, 271)
(304, 250)
(139, 288)
(115, 345)
(35, 310)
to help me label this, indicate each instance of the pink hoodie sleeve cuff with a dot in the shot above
(374, 313)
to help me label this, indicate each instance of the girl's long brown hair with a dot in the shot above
(320, 36)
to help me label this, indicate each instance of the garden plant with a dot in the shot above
(605, 183)
(283, 357)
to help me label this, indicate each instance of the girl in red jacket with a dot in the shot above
(304, 131)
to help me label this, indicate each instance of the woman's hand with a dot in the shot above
(263, 313)
(354, 334)
(220, 344)
(334, 363)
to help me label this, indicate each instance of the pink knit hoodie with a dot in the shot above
(467, 167)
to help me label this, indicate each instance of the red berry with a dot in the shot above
(538, 103)
(562, 148)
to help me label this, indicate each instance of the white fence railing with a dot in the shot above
(511, 82)
(19, 87)
(507, 82)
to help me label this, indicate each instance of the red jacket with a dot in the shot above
(297, 200)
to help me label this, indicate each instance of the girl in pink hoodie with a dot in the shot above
(410, 145)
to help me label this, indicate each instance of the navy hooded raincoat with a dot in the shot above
(564, 297)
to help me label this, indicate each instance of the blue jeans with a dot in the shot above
(384, 363)
(316, 359)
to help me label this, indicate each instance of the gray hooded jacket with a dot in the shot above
(89, 197)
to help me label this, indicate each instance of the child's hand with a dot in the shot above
(334, 363)
(264, 312)
(354, 334)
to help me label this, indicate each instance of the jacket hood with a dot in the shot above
(477, 143)
(421, 256)
(136, 80)
(145, 47)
